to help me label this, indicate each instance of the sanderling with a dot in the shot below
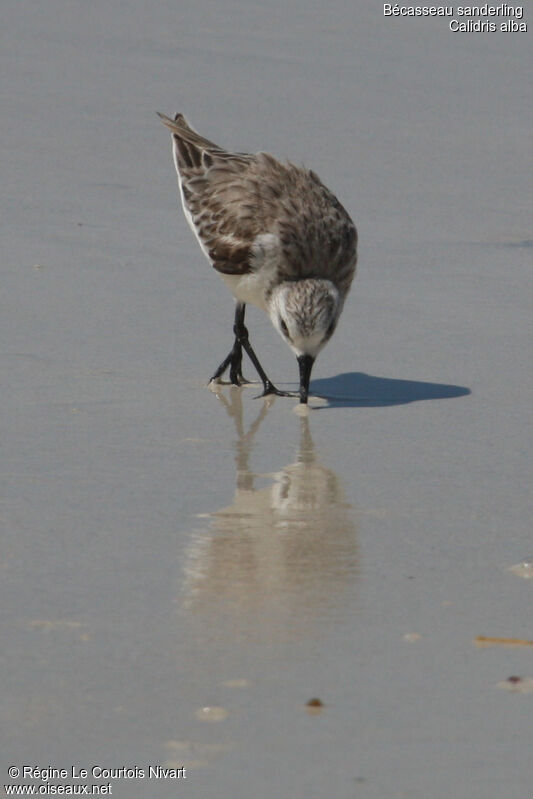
(278, 237)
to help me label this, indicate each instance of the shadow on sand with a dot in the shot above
(358, 390)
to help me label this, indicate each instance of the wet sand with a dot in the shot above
(184, 570)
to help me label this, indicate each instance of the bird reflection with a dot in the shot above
(275, 563)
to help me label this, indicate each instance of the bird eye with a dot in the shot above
(283, 326)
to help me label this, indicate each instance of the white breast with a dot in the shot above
(253, 287)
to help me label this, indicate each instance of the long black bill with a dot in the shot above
(305, 362)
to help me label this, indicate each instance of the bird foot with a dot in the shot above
(239, 380)
(235, 380)
(269, 389)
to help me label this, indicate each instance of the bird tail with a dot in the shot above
(183, 131)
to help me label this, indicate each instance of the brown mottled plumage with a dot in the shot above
(279, 238)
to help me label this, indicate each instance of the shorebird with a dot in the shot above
(278, 237)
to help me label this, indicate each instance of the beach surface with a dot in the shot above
(278, 605)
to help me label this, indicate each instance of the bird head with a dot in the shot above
(305, 313)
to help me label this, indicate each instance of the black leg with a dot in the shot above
(234, 358)
(241, 337)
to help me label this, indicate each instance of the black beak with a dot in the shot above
(305, 362)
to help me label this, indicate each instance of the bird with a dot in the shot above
(279, 239)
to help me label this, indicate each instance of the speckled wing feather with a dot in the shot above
(234, 198)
